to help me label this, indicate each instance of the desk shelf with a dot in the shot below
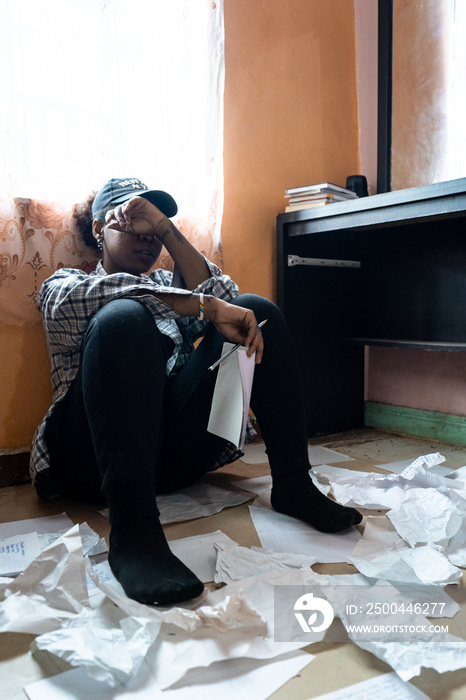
(410, 248)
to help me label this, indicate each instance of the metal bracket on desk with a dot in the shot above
(321, 262)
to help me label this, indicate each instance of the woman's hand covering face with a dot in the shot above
(137, 216)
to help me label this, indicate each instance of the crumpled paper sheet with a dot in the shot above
(92, 544)
(229, 680)
(174, 652)
(226, 624)
(427, 512)
(50, 590)
(409, 658)
(234, 622)
(382, 553)
(386, 491)
(111, 641)
(197, 501)
(357, 590)
(441, 656)
(400, 591)
(104, 573)
(419, 472)
(459, 475)
(432, 522)
(235, 562)
(406, 658)
(427, 516)
(108, 644)
(211, 629)
(456, 548)
(19, 550)
(230, 613)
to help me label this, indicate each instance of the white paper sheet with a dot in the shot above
(424, 646)
(234, 622)
(111, 641)
(324, 455)
(331, 470)
(235, 563)
(50, 590)
(456, 548)
(199, 500)
(421, 473)
(380, 491)
(196, 501)
(427, 516)
(398, 467)
(255, 454)
(260, 591)
(458, 474)
(386, 687)
(409, 658)
(359, 489)
(214, 627)
(175, 649)
(47, 523)
(229, 680)
(198, 552)
(104, 574)
(230, 402)
(107, 643)
(17, 552)
(50, 527)
(257, 484)
(382, 553)
(284, 534)
(91, 542)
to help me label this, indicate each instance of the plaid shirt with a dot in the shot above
(68, 300)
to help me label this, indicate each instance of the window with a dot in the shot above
(94, 89)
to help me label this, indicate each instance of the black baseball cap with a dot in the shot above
(119, 190)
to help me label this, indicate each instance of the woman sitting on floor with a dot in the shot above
(132, 396)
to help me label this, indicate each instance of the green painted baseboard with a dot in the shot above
(413, 421)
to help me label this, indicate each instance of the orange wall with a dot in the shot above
(290, 119)
(25, 384)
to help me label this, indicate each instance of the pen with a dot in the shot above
(231, 350)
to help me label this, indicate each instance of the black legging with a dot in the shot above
(123, 425)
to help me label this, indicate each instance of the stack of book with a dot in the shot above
(316, 196)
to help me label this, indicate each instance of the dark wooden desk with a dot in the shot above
(383, 270)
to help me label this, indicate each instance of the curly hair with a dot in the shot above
(82, 214)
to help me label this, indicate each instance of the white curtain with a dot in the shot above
(94, 89)
(455, 158)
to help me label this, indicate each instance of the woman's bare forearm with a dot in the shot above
(190, 262)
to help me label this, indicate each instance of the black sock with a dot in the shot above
(143, 563)
(295, 494)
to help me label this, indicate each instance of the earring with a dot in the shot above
(99, 244)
